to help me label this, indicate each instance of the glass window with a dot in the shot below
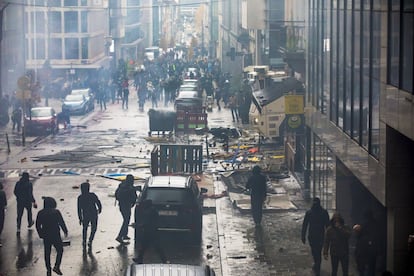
(38, 49)
(376, 44)
(366, 46)
(334, 70)
(54, 3)
(340, 67)
(407, 51)
(71, 48)
(55, 22)
(356, 89)
(85, 54)
(55, 48)
(374, 143)
(71, 22)
(70, 3)
(84, 22)
(394, 49)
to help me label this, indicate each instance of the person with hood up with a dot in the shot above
(89, 206)
(49, 221)
(25, 199)
(126, 196)
(256, 184)
(337, 244)
(3, 206)
(315, 222)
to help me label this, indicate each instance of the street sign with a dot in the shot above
(294, 104)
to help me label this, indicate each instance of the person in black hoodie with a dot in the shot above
(257, 186)
(49, 221)
(315, 223)
(89, 206)
(25, 199)
(3, 206)
(126, 196)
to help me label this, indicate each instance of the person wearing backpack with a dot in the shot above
(126, 196)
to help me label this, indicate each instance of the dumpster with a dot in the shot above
(161, 121)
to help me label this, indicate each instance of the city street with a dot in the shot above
(116, 141)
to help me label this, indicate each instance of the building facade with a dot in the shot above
(360, 136)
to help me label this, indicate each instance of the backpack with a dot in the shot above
(124, 194)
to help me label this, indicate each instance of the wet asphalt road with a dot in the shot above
(231, 244)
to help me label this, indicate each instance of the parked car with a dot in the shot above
(75, 104)
(179, 202)
(169, 270)
(89, 96)
(41, 121)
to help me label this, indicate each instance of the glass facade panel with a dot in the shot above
(85, 54)
(340, 68)
(366, 62)
(55, 48)
(71, 22)
(326, 55)
(334, 69)
(84, 21)
(323, 170)
(394, 49)
(70, 3)
(55, 22)
(356, 84)
(407, 43)
(71, 48)
(349, 52)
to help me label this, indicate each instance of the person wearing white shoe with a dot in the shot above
(23, 190)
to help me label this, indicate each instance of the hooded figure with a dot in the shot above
(126, 196)
(25, 199)
(315, 223)
(257, 186)
(336, 243)
(89, 206)
(49, 221)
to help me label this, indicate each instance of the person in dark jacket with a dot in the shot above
(367, 244)
(257, 186)
(3, 206)
(89, 206)
(126, 196)
(23, 190)
(315, 222)
(149, 231)
(337, 244)
(49, 221)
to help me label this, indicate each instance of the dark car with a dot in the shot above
(75, 104)
(89, 96)
(188, 100)
(179, 202)
(41, 121)
(169, 270)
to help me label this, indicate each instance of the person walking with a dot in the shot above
(23, 190)
(337, 244)
(315, 222)
(3, 206)
(125, 93)
(49, 222)
(89, 206)
(126, 196)
(17, 118)
(149, 231)
(234, 108)
(256, 184)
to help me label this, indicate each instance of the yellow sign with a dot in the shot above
(294, 104)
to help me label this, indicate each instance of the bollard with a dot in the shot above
(8, 144)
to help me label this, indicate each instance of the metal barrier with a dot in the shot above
(190, 121)
(176, 159)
